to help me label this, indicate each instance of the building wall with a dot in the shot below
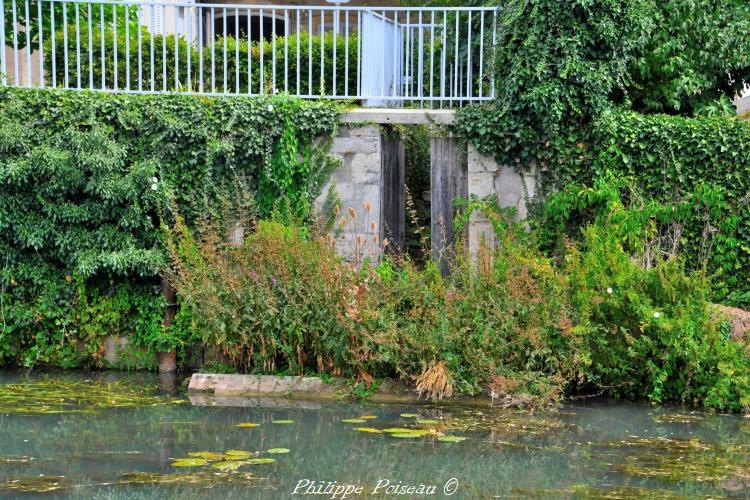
(357, 183)
(513, 189)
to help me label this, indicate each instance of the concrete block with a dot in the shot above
(482, 184)
(113, 347)
(479, 162)
(343, 145)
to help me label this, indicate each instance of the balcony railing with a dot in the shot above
(428, 57)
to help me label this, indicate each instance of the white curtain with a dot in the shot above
(381, 59)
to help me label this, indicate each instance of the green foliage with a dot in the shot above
(312, 81)
(648, 325)
(38, 12)
(557, 64)
(272, 303)
(286, 302)
(698, 55)
(568, 72)
(183, 66)
(702, 164)
(615, 313)
(168, 70)
(80, 256)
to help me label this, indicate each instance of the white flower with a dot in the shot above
(154, 180)
(270, 108)
(154, 187)
(657, 314)
(609, 290)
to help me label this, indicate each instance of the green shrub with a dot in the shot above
(81, 255)
(177, 64)
(286, 65)
(170, 67)
(649, 328)
(283, 302)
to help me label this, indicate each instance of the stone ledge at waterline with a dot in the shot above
(311, 388)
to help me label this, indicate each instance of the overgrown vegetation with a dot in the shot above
(612, 315)
(572, 74)
(85, 180)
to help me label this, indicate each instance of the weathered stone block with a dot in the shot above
(479, 162)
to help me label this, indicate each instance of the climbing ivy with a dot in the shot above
(85, 179)
(569, 72)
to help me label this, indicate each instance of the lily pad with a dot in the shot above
(451, 439)
(247, 425)
(211, 456)
(368, 429)
(368, 417)
(394, 430)
(354, 421)
(189, 462)
(258, 461)
(409, 415)
(407, 435)
(278, 450)
(427, 421)
(237, 454)
(283, 421)
(227, 465)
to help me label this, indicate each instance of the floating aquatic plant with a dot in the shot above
(189, 462)
(407, 435)
(211, 456)
(237, 454)
(34, 484)
(409, 415)
(248, 425)
(260, 461)
(427, 421)
(354, 421)
(227, 465)
(368, 429)
(368, 417)
(44, 396)
(205, 478)
(283, 421)
(451, 439)
(278, 450)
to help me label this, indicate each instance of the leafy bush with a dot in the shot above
(81, 257)
(612, 315)
(97, 65)
(649, 328)
(283, 302)
(311, 81)
(177, 63)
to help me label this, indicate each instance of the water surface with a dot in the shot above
(118, 435)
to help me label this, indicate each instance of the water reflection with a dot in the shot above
(128, 451)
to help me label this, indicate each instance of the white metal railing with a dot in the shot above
(425, 56)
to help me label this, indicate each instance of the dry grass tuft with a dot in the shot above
(435, 382)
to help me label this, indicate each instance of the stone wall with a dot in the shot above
(513, 189)
(357, 182)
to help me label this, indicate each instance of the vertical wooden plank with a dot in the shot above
(449, 180)
(393, 190)
(168, 360)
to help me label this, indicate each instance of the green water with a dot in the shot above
(70, 442)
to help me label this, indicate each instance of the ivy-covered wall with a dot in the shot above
(85, 179)
(669, 158)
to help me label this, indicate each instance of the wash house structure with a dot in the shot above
(399, 65)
